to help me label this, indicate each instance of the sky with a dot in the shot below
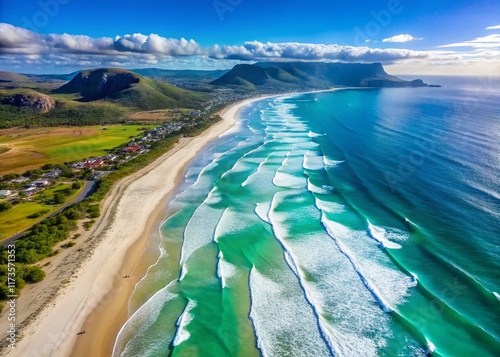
(407, 36)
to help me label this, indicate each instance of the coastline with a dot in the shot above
(98, 295)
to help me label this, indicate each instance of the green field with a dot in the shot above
(16, 219)
(32, 148)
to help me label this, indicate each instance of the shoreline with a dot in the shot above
(98, 294)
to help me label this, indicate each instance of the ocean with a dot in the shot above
(358, 222)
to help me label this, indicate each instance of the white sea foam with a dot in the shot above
(263, 162)
(312, 134)
(283, 179)
(262, 210)
(199, 230)
(324, 189)
(430, 345)
(137, 327)
(284, 323)
(313, 161)
(344, 307)
(391, 285)
(183, 272)
(379, 234)
(182, 334)
(225, 270)
(497, 295)
(330, 206)
(369, 285)
(331, 162)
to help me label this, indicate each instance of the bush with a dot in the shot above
(68, 245)
(59, 198)
(5, 206)
(33, 274)
(94, 211)
(76, 185)
(87, 225)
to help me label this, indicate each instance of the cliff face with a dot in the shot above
(312, 75)
(37, 101)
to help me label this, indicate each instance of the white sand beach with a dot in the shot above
(96, 298)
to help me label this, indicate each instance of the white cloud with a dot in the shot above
(255, 50)
(21, 48)
(21, 41)
(401, 38)
(490, 41)
(497, 27)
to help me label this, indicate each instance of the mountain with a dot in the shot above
(180, 73)
(11, 80)
(266, 75)
(37, 101)
(197, 80)
(6, 77)
(129, 89)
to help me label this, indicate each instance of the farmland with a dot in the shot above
(24, 149)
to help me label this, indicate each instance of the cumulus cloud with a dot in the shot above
(401, 38)
(21, 41)
(21, 48)
(497, 27)
(255, 50)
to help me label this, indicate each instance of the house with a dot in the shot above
(132, 148)
(20, 179)
(93, 163)
(5, 193)
(40, 183)
(53, 174)
(31, 191)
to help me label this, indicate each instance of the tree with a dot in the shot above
(58, 198)
(5, 206)
(76, 185)
(34, 274)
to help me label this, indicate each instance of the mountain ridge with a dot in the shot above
(263, 75)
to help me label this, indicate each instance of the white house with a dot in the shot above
(5, 193)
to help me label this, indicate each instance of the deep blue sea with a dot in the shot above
(358, 222)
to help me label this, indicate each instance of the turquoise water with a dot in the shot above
(349, 223)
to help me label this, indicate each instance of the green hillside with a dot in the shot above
(100, 96)
(128, 89)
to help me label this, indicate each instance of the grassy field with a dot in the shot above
(32, 148)
(17, 219)
(160, 115)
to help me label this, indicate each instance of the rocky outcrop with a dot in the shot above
(37, 101)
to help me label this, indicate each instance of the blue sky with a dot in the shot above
(418, 27)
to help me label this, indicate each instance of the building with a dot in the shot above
(53, 174)
(5, 193)
(40, 183)
(20, 179)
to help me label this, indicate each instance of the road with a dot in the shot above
(88, 188)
